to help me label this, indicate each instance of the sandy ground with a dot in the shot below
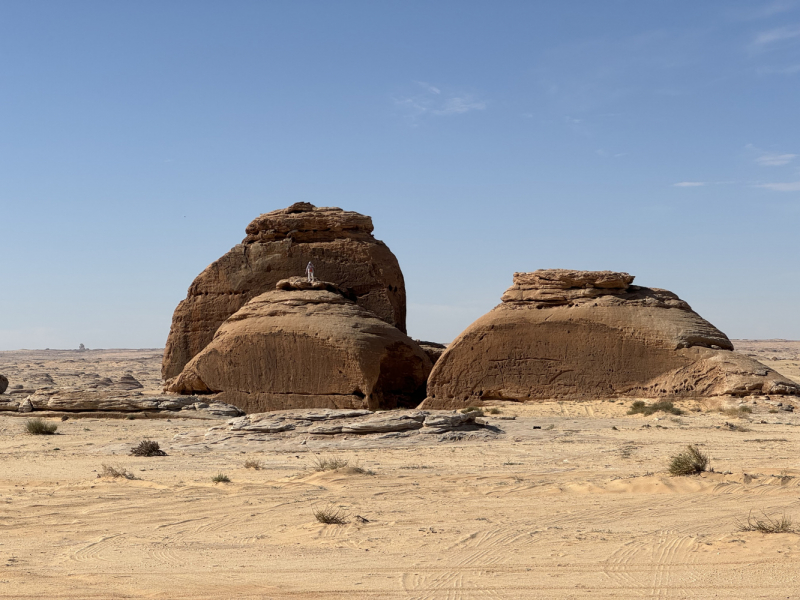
(581, 508)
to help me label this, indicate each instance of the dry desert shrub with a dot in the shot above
(639, 407)
(474, 409)
(147, 448)
(40, 427)
(115, 472)
(357, 468)
(494, 411)
(735, 427)
(740, 412)
(689, 462)
(767, 524)
(330, 515)
(221, 478)
(321, 463)
(252, 463)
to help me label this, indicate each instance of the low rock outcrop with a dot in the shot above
(356, 422)
(589, 334)
(278, 245)
(307, 345)
(84, 401)
(3, 384)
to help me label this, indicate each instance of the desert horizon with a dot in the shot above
(443, 300)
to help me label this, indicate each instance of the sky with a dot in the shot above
(138, 139)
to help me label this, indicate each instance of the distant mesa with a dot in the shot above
(587, 334)
(278, 245)
(308, 345)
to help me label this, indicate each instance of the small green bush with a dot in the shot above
(40, 427)
(473, 409)
(147, 448)
(689, 462)
(639, 407)
(221, 478)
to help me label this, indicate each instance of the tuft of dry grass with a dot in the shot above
(115, 472)
(39, 426)
(734, 427)
(330, 515)
(783, 524)
(689, 462)
(321, 463)
(639, 407)
(147, 448)
(739, 412)
(252, 463)
(357, 468)
(494, 411)
(473, 409)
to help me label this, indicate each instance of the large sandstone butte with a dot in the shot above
(307, 345)
(588, 334)
(279, 244)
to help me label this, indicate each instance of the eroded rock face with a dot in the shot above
(307, 346)
(589, 334)
(76, 401)
(279, 245)
(357, 422)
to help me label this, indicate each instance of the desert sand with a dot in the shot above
(580, 507)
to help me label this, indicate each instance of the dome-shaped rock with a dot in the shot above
(589, 334)
(278, 245)
(306, 345)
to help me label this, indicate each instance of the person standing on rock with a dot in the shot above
(310, 272)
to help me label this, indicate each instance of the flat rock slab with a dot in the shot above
(321, 429)
(69, 401)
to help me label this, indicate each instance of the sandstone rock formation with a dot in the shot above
(92, 402)
(3, 384)
(307, 345)
(279, 245)
(357, 422)
(434, 350)
(589, 334)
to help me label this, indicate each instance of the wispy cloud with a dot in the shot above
(787, 70)
(770, 159)
(752, 12)
(775, 160)
(789, 186)
(433, 101)
(776, 35)
(689, 184)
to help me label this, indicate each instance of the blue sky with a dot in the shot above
(138, 139)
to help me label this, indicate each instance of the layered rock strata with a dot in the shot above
(83, 401)
(279, 245)
(355, 422)
(307, 345)
(588, 334)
